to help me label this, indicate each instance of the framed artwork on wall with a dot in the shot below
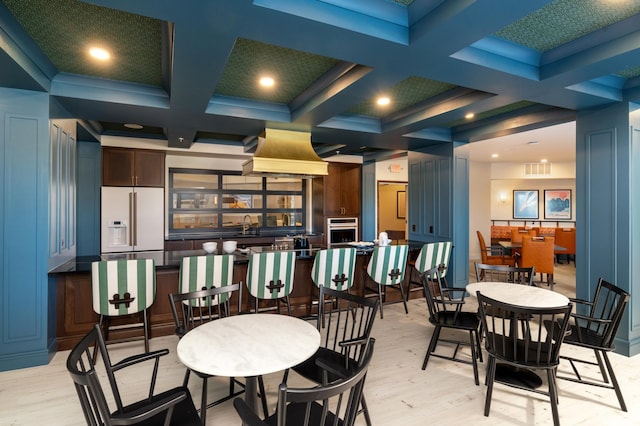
(557, 204)
(401, 204)
(525, 204)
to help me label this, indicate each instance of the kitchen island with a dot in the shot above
(72, 286)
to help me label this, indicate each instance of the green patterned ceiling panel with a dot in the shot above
(402, 95)
(403, 2)
(491, 113)
(630, 72)
(292, 70)
(65, 29)
(562, 21)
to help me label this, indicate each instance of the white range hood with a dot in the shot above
(285, 153)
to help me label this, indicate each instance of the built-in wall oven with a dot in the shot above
(342, 230)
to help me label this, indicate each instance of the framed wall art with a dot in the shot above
(557, 204)
(401, 204)
(525, 204)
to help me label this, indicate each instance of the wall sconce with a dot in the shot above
(503, 198)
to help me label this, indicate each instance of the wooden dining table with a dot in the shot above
(519, 295)
(248, 346)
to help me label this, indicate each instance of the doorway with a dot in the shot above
(392, 209)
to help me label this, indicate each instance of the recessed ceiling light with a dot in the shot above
(533, 142)
(133, 126)
(99, 53)
(469, 115)
(544, 160)
(267, 81)
(383, 101)
(495, 155)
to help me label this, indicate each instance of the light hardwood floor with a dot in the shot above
(398, 392)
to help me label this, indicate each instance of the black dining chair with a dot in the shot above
(595, 328)
(516, 336)
(345, 323)
(504, 274)
(334, 403)
(171, 407)
(445, 312)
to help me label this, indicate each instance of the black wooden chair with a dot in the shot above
(445, 311)
(333, 403)
(195, 308)
(516, 336)
(173, 406)
(596, 329)
(504, 274)
(345, 325)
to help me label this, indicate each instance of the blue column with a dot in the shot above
(608, 209)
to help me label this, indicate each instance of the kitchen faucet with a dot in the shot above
(246, 224)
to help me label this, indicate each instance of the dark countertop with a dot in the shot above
(171, 259)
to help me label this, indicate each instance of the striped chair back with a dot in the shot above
(270, 274)
(122, 287)
(434, 255)
(334, 268)
(387, 264)
(205, 272)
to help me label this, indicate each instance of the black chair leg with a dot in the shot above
(491, 374)
(432, 346)
(472, 342)
(203, 404)
(614, 382)
(553, 397)
(365, 411)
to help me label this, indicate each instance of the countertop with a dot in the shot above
(171, 259)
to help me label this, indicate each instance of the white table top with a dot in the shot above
(518, 294)
(248, 345)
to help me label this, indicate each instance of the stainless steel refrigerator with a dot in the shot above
(132, 219)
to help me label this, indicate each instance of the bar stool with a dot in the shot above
(386, 268)
(334, 269)
(123, 287)
(432, 255)
(270, 277)
(205, 272)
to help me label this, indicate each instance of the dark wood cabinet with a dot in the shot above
(337, 194)
(132, 167)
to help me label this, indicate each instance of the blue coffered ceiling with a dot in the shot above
(187, 71)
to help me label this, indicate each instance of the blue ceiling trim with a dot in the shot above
(609, 87)
(353, 122)
(97, 89)
(501, 55)
(379, 9)
(236, 107)
(339, 17)
(442, 134)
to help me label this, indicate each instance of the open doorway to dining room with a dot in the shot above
(392, 209)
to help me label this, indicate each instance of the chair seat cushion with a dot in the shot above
(310, 370)
(582, 336)
(463, 320)
(184, 413)
(296, 415)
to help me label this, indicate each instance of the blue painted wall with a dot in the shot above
(88, 202)
(25, 338)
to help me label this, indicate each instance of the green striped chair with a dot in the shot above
(386, 269)
(205, 272)
(432, 255)
(123, 287)
(334, 269)
(270, 276)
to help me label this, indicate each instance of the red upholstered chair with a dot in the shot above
(490, 256)
(538, 252)
(566, 238)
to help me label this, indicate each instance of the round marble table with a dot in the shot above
(521, 295)
(518, 294)
(248, 346)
